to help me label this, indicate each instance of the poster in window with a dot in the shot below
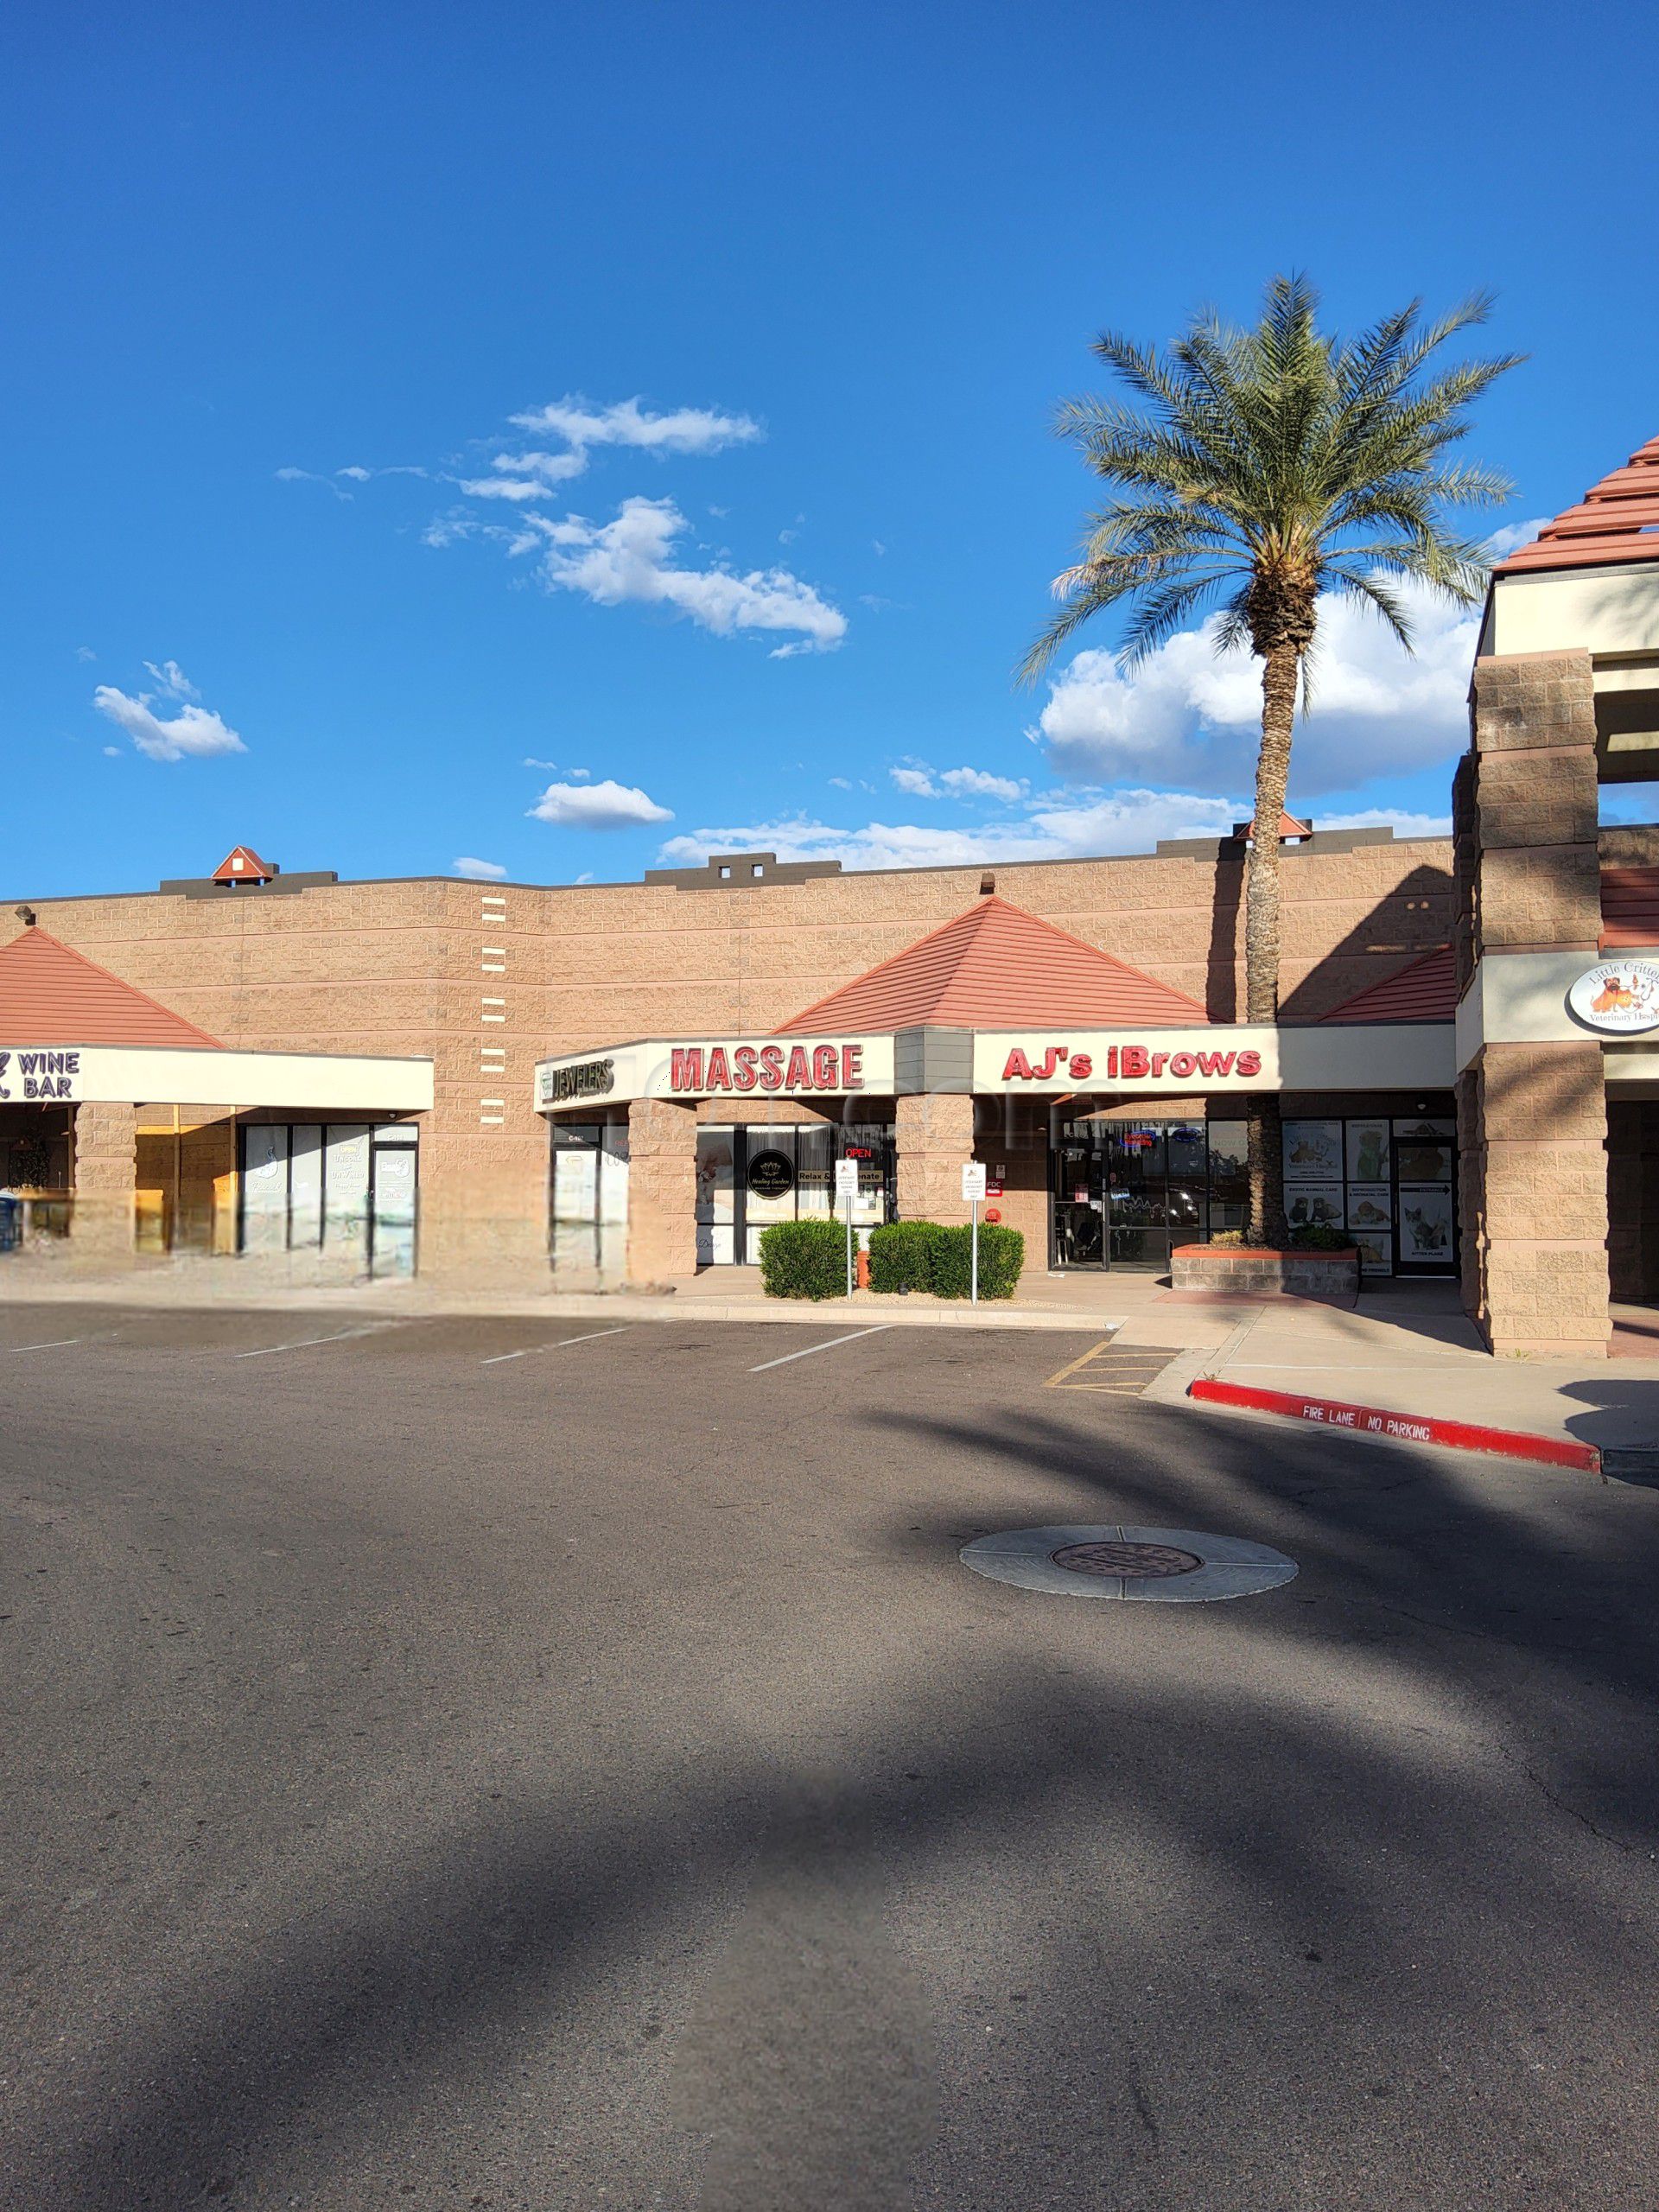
(1426, 1222)
(1313, 1151)
(1370, 1205)
(1368, 1152)
(1315, 1205)
(1375, 1249)
(575, 1185)
(1423, 1151)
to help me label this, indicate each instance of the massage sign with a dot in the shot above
(705, 1070)
(1125, 1064)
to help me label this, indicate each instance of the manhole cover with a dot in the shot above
(1126, 1559)
(1170, 1566)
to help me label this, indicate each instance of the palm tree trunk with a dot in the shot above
(1280, 670)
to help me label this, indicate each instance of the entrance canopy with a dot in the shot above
(73, 1033)
(1047, 1062)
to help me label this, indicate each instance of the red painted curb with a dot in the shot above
(1406, 1428)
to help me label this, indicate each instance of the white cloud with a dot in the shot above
(977, 783)
(606, 805)
(1073, 828)
(1513, 536)
(922, 782)
(1379, 817)
(525, 475)
(917, 782)
(84, 652)
(686, 430)
(311, 476)
(1188, 716)
(520, 477)
(173, 680)
(632, 558)
(113, 753)
(580, 775)
(481, 871)
(193, 734)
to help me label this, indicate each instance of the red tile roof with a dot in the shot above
(997, 967)
(52, 995)
(1289, 827)
(1617, 520)
(1629, 907)
(1425, 989)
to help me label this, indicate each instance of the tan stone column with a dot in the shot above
(662, 1190)
(1544, 1178)
(1535, 1176)
(105, 1181)
(933, 1136)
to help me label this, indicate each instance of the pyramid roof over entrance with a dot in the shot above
(1425, 989)
(1617, 520)
(997, 967)
(51, 995)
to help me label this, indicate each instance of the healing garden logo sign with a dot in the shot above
(1621, 997)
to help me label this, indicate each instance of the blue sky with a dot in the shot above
(782, 299)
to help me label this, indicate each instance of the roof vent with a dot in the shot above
(242, 865)
(1291, 832)
(987, 884)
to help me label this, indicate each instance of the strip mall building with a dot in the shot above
(632, 1080)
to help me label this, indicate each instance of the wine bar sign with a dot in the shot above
(39, 1075)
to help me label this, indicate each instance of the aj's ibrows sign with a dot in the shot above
(1125, 1064)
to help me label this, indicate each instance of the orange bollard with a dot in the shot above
(863, 1277)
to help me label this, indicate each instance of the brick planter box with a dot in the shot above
(1249, 1271)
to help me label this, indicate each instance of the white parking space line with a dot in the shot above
(829, 1345)
(496, 1358)
(304, 1343)
(56, 1344)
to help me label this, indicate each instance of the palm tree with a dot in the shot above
(1273, 465)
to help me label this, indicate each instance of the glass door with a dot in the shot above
(1079, 1170)
(1136, 1200)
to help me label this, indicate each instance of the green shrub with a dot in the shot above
(1320, 1236)
(901, 1256)
(1001, 1256)
(1229, 1240)
(804, 1259)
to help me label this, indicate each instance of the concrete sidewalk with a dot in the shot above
(1406, 1349)
(1060, 1302)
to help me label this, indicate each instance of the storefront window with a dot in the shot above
(589, 1201)
(1389, 1182)
(346, 1191)
(1126, 1193)
(750, 1176)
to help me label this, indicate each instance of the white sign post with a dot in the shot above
(973, 1190)
(847, 1187)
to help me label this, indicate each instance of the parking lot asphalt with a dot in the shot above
(483, 1763)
